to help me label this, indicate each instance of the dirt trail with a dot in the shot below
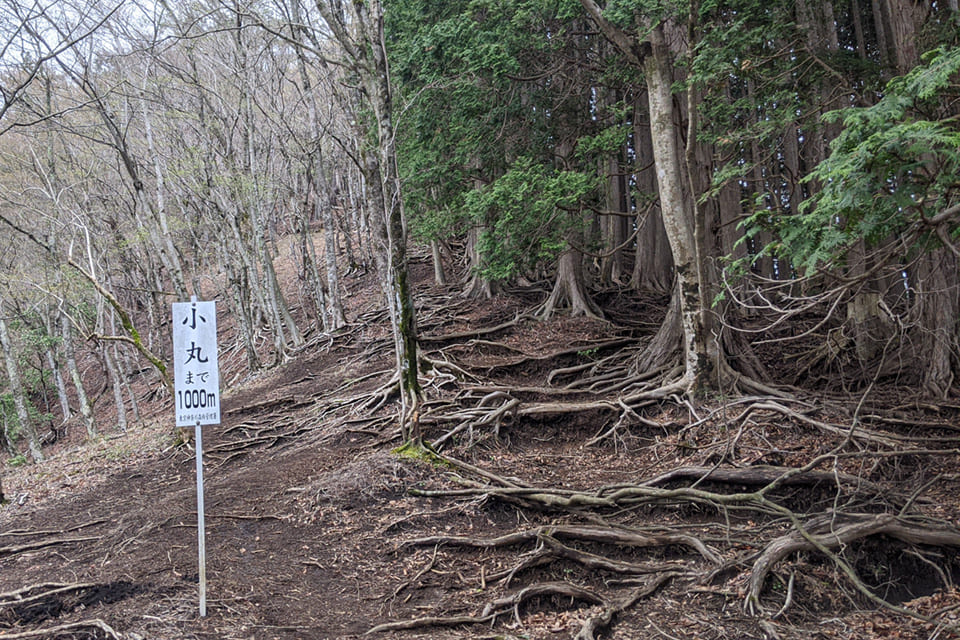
(291, 540)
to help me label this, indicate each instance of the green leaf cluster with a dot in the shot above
(481, 107)
(895, 165)
(522, 216)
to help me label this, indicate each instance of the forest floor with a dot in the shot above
(318, 528)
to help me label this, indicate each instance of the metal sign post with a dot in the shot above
(196, 383)
(201, 525)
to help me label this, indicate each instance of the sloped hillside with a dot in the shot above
(551, 507)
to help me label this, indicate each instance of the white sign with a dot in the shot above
(196, 377)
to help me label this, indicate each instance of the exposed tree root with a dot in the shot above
(66, 630)
(595, 624)
(28, 532)
(278, 430)
(765, 475)
(733, 465)
(430, 621)
(832, 532)
(475, 333)
(499, 607)
(563, 542)
(606, 535)
(525, 359)
(504, 407)
(39, 592)
(33, 546)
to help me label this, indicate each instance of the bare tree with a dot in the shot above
(16, 390)
(357, 28)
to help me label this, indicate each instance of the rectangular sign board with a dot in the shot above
(196, 376)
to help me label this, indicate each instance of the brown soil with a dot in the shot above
(308, 510)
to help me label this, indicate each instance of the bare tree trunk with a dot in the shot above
(765, 264)
(323, 199)
(678, 217)
(369, 58)
(613, 229)
(282, 321)
(357, 189)
(160, 238)
(700, 351)
(476, 285)
(936, 311)
(338, 317)
(165, 239)
(239, 289)
(6, 430)
(55, 368)
(122, 365)
(310, 273)
(86, 412)
(16, 390)
(112, 369)
(898, 24)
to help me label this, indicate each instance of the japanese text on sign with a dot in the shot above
(196, 377)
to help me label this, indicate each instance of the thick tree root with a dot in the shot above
(564, 542)
(832, 532)
(606, 535)
(499, 607)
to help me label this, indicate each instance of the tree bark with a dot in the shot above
(700, 351)
(439, 273)
(113, 371)
(936, 312)
(476, 286)
(329, 299)
(54, 365)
